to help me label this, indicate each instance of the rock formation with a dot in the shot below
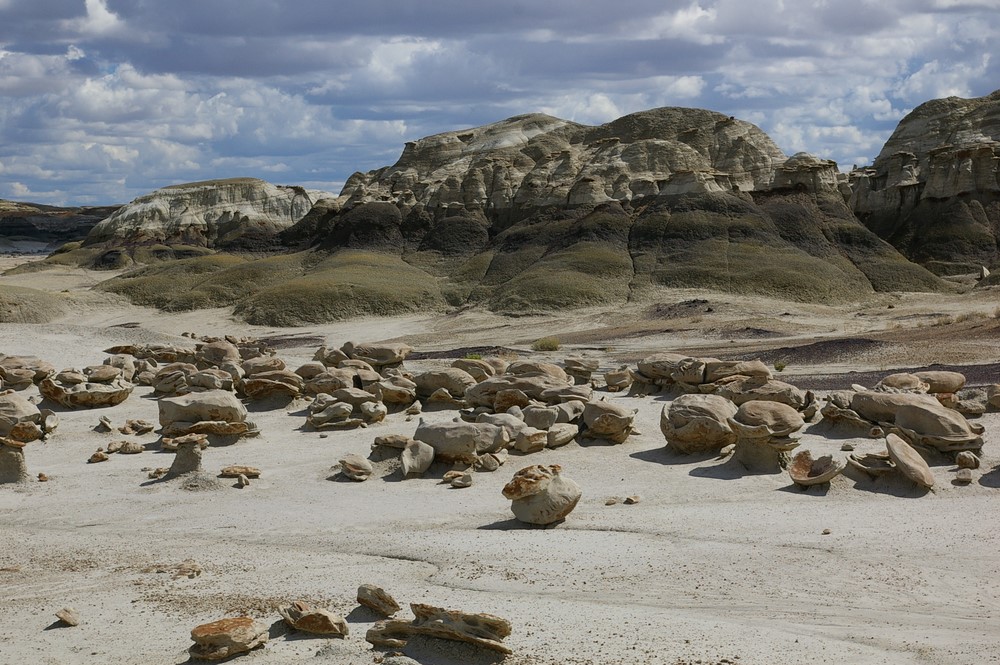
(933, 191)
(541, 494)
(534, 213)
(484, 630)
(215, 213)
(222, 639)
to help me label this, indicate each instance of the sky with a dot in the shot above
(105, 100)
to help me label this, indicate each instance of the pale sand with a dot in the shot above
(709, 566)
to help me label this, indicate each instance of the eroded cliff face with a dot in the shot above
(213, 214)
(29, 227)
(508, 169)
(934, 190)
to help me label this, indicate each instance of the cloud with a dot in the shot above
(103, 100)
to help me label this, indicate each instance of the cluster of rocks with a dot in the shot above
(738, 408)
(225, 638)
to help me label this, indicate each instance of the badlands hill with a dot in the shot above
(934, 190)
(34, 227)
(528, 214)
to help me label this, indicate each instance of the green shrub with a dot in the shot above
(546, 344)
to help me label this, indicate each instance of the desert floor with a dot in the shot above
(710, 566)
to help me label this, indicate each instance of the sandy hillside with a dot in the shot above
(710, 566)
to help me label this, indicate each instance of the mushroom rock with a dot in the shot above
(187, 459)
(300, 615)
(909, 461)
(696, 423)
(764, 432)
(12, 466)
(17, 412)
(222, 639)
(605, 420)
(484, 630)
(541, 494)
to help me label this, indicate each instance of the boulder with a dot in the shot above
(452, 379)
(261, 365)
(806, 471)
(484, 630)
(16, 413)
(716, 370)
(902, 382)
(561, 434)
(378, 356)
(225, 638)
(300, 615)
(356, 468)
(211, 405)
(939, 381)
(909, 461)
(698, 423)
(416, 458)
(606, 420)
(219, 352)
(86, 395)
(541, 494)
(538, 368)
(480, 370)
(458, 441)
(377, 600)
(270, 383)
(933, 425)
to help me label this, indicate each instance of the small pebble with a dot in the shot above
(99, 456)
(242, 481)
(964, 476)
(632, 500)
(610, 501)
(42, 478)
(826, 532)
(848, 447)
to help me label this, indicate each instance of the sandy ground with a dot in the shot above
(711, 566)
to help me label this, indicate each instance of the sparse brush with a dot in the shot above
(780, 366)
(473, 356)
(546, 344)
